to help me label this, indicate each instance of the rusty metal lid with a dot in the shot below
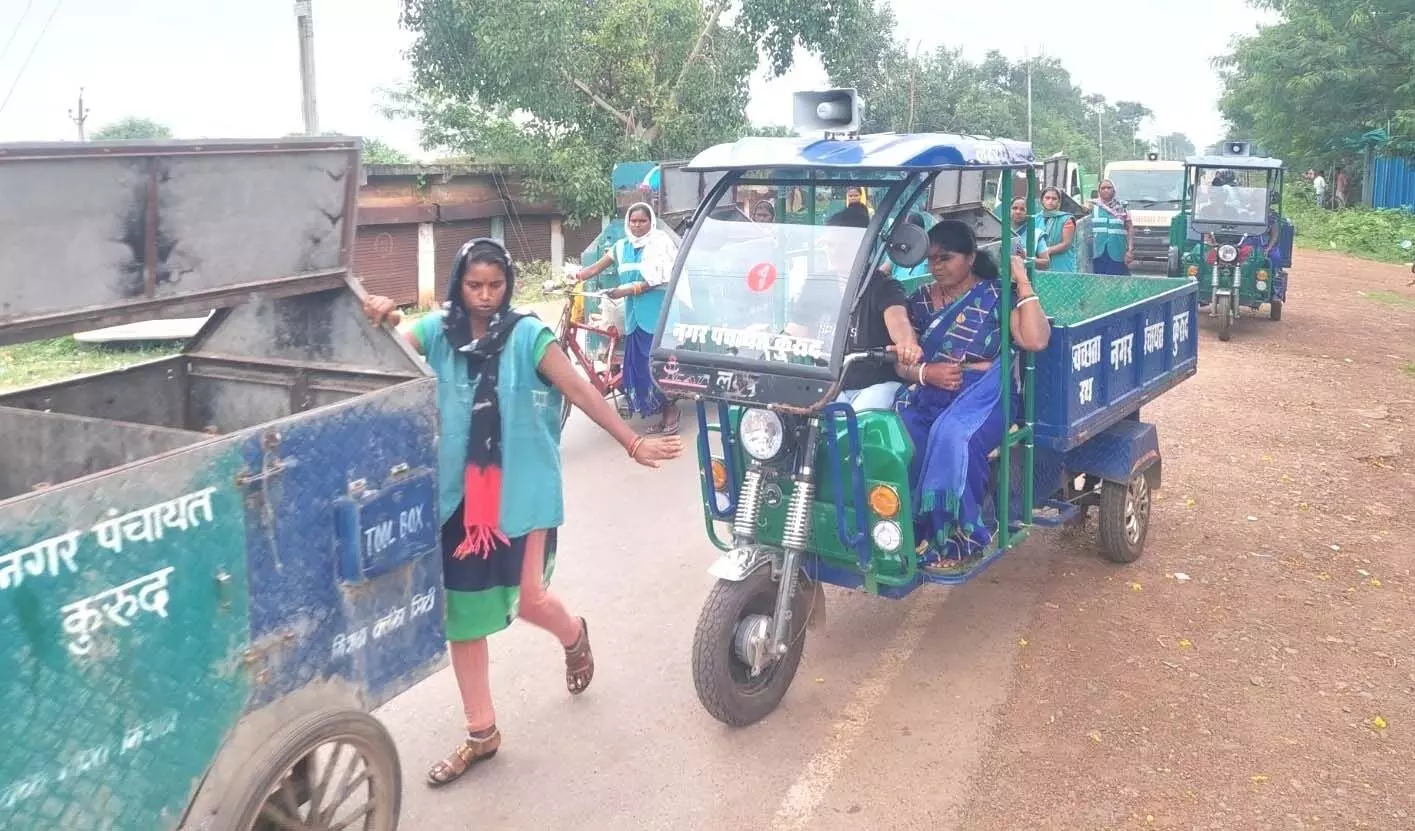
(104, 233)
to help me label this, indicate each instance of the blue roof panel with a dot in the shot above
(1235, 162)
(882, 151)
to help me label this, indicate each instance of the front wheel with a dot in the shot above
(1125, 518)
(1225, 322)
(1275, 310)
(735, 618)
(329, 769)
(1172, 263)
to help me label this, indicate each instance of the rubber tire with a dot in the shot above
(713, 656)
(1172, 264)
(245, 798)
(1115, 544)
(1275, 310)
(1225, 325)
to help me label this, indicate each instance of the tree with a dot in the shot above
(132, 128)
(378, 151)
(1174, 146)
(566, 88)
(942, 91)
(1328, 70)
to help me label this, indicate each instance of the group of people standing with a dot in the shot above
(1334, 197)
(1112, 233)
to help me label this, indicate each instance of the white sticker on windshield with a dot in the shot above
(774, 347)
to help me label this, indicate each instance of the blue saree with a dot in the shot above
(954, 431)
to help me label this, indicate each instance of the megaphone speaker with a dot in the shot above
(830, 111)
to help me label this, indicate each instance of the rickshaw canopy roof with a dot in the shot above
(881, 151)
(1235, 162)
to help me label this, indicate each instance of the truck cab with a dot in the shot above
(1152, 190)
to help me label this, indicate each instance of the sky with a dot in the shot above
(230, 68)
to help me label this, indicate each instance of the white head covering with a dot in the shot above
(659, 249)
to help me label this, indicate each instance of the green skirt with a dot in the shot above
(484, 593)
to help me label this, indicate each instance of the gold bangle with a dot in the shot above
(634, 447)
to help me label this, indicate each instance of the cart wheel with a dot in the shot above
(330, 769)
(1275, 310)
(565, 408)
(722, 674)
(1124, 519)
(1225, 324)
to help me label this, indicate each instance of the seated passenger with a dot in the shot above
(953, 411)
(879, 320)
(1018, 215)
(1271, 239)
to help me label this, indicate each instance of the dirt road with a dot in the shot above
(1252, 671)
(1273, 685)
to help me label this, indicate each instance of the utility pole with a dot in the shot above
(80, 115)
(1100, 131)
(304, 17)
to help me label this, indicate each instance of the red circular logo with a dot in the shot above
(761, 277)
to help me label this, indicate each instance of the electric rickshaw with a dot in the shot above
(801, 491)
(1231, 237)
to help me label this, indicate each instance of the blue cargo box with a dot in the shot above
(1116, 344)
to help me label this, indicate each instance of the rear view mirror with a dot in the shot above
(908, 244)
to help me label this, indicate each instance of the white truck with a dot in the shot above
(1151, 189)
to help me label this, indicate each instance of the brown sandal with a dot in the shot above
(579, 662)
(471, 751)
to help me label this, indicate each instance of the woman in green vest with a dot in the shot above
(1112, 235)
(644, 259)
(500, 376)
(1059, 229)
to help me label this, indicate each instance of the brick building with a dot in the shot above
(413, 218)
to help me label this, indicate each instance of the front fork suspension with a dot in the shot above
(795, 537)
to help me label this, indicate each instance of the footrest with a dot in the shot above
(1054, 513)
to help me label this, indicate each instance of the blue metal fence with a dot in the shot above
(1392, 183)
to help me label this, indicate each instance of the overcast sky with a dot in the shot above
(230, 68)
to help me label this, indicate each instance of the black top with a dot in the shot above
(817, 310)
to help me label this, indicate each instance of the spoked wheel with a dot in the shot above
(335, 770)
(1125, 518)
(736, 623)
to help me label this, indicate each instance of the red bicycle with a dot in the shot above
(605, 369)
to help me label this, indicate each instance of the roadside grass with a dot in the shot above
(28, 364)
(1389, 298)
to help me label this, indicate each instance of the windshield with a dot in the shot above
(1148, 188)
(1230, 204)
(772, 289)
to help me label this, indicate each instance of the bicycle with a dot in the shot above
(605, 370)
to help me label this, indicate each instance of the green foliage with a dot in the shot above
(132, 129)
(1372, 234)
(566, 88)
(377, 151)
(1327, 70)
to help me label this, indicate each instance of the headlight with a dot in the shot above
(761, 433)
(1227, 253)
(887, 536)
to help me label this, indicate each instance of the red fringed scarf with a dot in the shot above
(481, 511)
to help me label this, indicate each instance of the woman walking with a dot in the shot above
(500, 376)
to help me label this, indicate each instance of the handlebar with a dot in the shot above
(885, 354)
